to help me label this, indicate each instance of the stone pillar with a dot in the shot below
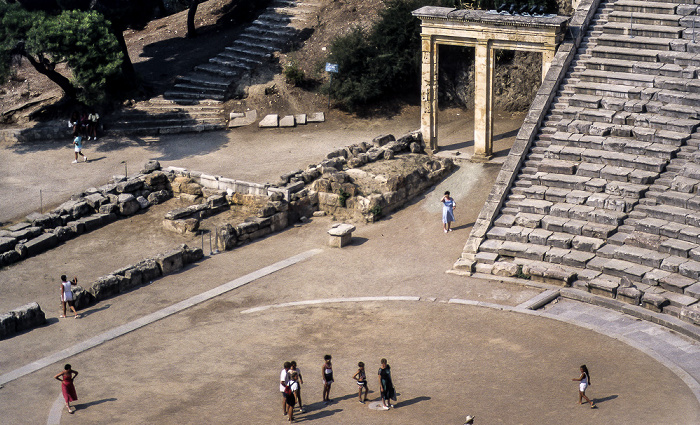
(547, 58)
(483, 101)
(429, 93)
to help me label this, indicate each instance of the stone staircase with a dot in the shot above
(195, 103)
(608, 198)
(274, 30)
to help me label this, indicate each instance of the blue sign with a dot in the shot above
(331, 67)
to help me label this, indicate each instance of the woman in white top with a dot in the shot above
(584, 382)
(67, 294)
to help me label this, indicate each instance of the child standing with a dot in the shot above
(78, 142)
(584, 381)
(361, 377)
(67, 295)
(327, 375)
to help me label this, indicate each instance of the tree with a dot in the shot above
(191, 12)
(82, 40)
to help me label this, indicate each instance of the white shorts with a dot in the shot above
(582, 386)
(77, 148)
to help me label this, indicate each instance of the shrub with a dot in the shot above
(293, 74)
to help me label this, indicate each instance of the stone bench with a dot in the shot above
(340, 235)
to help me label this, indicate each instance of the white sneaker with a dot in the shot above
(385, 407)
(75, 162)
(445, 230)
(86, 159)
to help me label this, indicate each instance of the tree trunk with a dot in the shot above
(191, 30)
(127, 66)
(63, 82)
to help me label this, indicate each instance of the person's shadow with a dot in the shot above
(404, 403)
(599, 400)
(93, 403)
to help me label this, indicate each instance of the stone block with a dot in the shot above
(109, 209)
(503, 268)
(191, 255)
(287, 121)
(91, 222)
(105, 287)
(8, 325)
(151, 166)
(143, 202)
(129, 186)
(182, 226)
(7, 243)
(654, 302)
(128, 204)
(316, 117)
(41, 243)
(691, 314)
(96, 200)
(629, 295)
(149, 269)
(604, 287)
(340, 235)
(269, 121)
(170, 262)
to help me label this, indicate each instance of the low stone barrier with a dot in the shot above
(22, 318)
(131, 276)
(85, 212)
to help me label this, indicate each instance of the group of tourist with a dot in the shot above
(291, 380)
(83, 125)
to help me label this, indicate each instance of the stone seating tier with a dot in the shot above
(606, 199)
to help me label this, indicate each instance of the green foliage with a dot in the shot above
(343, 197)
(293, 74)
(385, 60)
(82, 40)
(382, 61)
(376, 211)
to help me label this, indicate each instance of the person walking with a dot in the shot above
(66, 377)
(448, 215)
(386, 386)
(361, 377)
(78, 143)
(327, 376)
(67, 295)
(284, 379)
(584, 381)
(300, 380)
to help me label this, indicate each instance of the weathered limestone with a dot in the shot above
(20, 319)
(486, 32)
(340, 235)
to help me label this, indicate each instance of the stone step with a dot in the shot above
(644, 18)
(616, 144)
(248, 57)
(600, 156)
(182, 94)
(639, 55)
(608, 90)
(264, 28)
(634, 42)
(160, 130)
(679, 98)
(618, 78)
(204, 90)
(159, 121)
(237, 62)
(233, 71)
(205, 80)
(656, 31)
(637, 6)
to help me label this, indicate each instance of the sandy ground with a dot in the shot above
(214, 364)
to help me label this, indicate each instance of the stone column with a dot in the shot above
(547, 58)
(483, 101)
(429, 93)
